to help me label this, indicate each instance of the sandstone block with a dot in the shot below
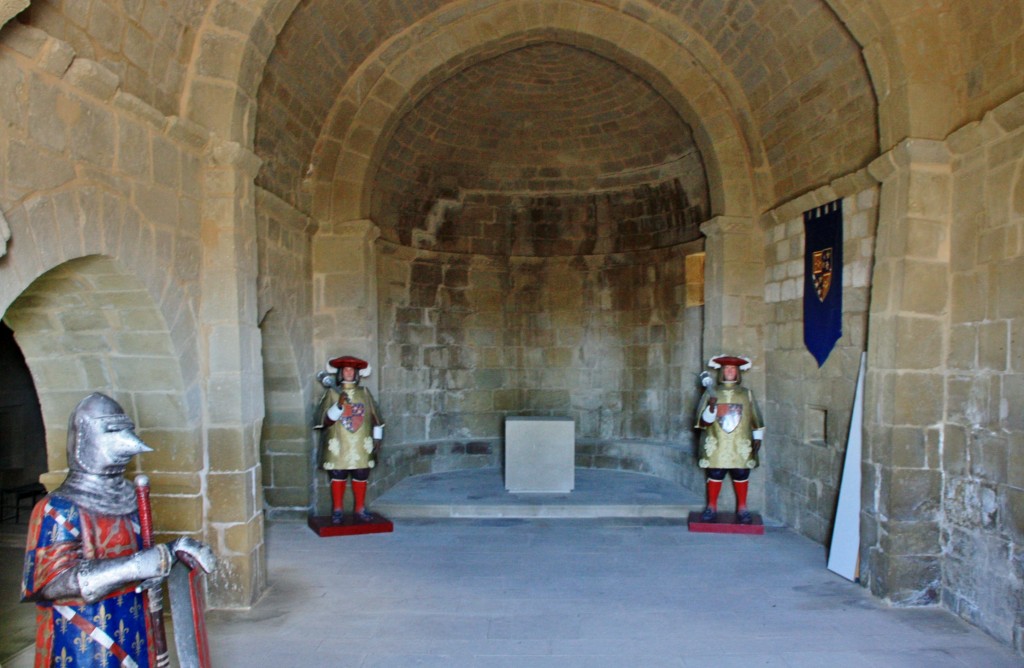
(231, 497)
(925, 287)
(26, 40)
(176, 515)
(1009, 296)
(174, 450)
(92, 78)
(910, 495)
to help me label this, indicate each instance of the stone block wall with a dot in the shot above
(148, 49)
(289, 370)
(983, 437)
(102, 195)
(539, 153)
(607, 340)
(130, 258)
(655, 215)
(807, 408)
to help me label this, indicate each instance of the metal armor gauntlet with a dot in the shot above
(98, 577)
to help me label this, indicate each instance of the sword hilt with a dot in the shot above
(145, 510)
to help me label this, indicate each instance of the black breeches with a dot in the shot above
(738, 475)
(358, 475)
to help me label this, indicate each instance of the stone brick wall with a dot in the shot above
(148, 48)
(101, 191)
(654, 215)
(285, 307)
(983, 441)
(546, 150)
(129, 254)
(807, 408)
(606, 340)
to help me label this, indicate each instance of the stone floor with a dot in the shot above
(561, 593)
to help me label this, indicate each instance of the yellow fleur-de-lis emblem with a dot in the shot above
(137, 643)
(63, 660)
(82, 641)
(55, 533)
(121, 632)
(101, 655)
(102, 617)
(136, 608)
(62, 622)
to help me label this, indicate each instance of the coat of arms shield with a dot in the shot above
(821, 264)
(729, 416)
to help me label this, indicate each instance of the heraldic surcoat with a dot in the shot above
(348, 443)
(73, 633)
(727, 443)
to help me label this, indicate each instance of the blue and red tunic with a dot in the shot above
(72, 633)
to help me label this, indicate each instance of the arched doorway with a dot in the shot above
(88, 325)
(22, 437)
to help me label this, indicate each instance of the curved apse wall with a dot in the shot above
(536, 211)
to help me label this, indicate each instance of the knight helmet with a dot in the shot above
(101, 437)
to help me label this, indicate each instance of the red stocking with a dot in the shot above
(740, 486)
(338, 495)
(714, 487)
(359, 491)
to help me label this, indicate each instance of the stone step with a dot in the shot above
(481, 494)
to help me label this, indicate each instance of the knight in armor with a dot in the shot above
(732, 430)
(352, 433)
(85, 566)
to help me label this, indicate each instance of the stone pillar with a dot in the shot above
(233, 374)
(345, 293)
(734, 314)
(907, 340)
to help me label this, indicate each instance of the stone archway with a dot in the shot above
(663, 52)
(89, 325)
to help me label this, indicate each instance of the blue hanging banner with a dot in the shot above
(823, 279)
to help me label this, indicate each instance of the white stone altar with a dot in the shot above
(540, 454)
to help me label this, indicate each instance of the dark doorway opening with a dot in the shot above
(22, 435)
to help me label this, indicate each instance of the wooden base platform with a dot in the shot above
(350, 525)
(725, 523)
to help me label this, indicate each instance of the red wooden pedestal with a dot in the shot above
(725, 523)
(350, 525)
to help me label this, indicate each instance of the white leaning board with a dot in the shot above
(844, 551)
(540, 454)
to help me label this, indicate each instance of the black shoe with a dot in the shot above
(363, 515)
(744, 517)
(337, 516)
(708, 515)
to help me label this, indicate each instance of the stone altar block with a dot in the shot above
(540, 454)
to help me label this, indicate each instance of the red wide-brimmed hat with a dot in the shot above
(339, 363)
(718, 361)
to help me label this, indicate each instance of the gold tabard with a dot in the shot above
(348, 443)
(727, 443)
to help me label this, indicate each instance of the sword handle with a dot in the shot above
(154, 597)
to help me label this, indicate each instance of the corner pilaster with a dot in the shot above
(907, 343)
(233, 373)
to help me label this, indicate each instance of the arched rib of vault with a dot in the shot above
(81, 220)
(231, 50)
(682, 68)
(935, 66)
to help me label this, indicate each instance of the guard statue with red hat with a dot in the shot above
(352, 435)
(732, 430)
